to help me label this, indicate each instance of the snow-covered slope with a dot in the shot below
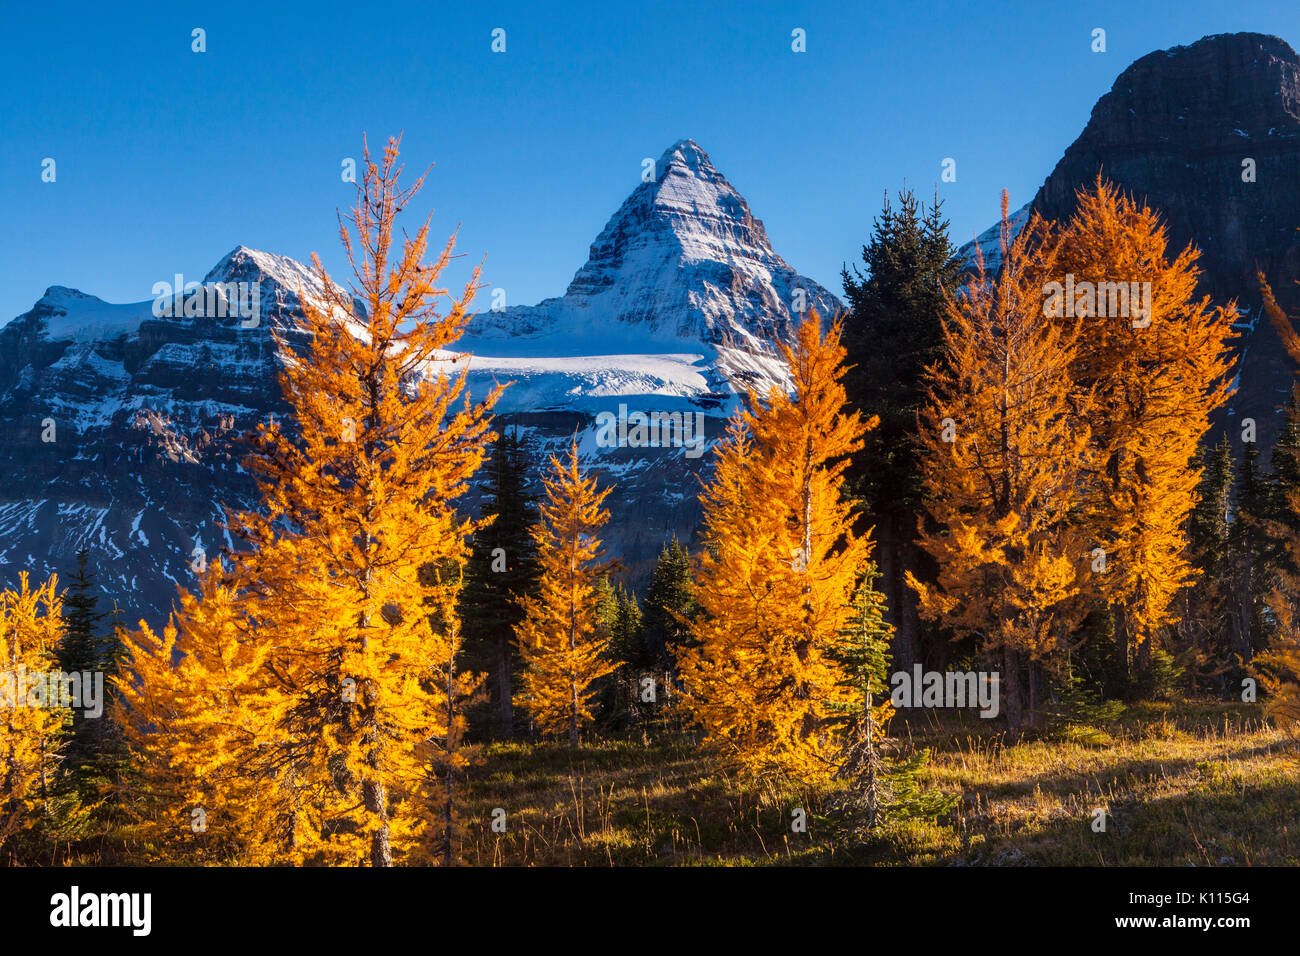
(989, 242)
(80, 317)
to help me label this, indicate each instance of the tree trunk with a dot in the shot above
(573, 714)
(909, 620)
(1143, 655)
(447, 770)
(505, 704)
(1036, 682)
(1122, 645)
(900, 603)
(376, 801)
(1011, 689)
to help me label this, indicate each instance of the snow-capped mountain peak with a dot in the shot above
(681, 265)
(245, 264)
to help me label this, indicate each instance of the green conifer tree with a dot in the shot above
(500, 572)
(1203, 628)
(892, 334)
(82, 651)
(876, 786)
(668, 605)
(1252, 575)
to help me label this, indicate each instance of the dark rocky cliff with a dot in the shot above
(1174, 130)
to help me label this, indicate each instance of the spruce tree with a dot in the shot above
(80, 647)
(1250, 556)
(669, 604)
(876, 785)
(79, 653)
(620, 622)
(1205, 605)
(501, 571)
(1284, 489)
(893, 332)
(628, 630)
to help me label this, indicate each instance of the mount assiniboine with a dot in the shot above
(677, 309)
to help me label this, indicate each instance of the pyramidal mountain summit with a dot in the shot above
(121, 426)
(683, 260)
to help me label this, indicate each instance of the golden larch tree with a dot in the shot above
(1003, 438)
(564, 651)
(195, 702)
(351, 574)
(1157, 369)
(779, 571)
(31, 625)
(358, 491)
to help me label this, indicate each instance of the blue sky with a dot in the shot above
(167, 159)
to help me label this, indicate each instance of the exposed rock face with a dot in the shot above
(680, 305)
(1174, 131)
(119, 430)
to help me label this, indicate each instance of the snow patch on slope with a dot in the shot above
(71, 314)
(989, 242)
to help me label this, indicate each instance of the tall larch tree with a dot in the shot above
(354, 560)
(1157, 375)
(779, 571)
(358, 492)
(1003, 442)
(31, 625)
(563, 647)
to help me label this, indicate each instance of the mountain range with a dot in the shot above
(120, 428)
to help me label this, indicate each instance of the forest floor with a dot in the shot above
(1195, 783)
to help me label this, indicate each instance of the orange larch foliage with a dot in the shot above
(1157, 375)
(196, 702)
(563, 650)
(779, 571)
(349, 586)
(1003, 440)
(31, 625)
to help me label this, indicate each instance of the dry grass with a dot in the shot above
(1201, 783)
